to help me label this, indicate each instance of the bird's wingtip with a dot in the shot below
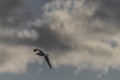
(35, 50)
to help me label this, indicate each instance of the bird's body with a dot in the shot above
(41, 53)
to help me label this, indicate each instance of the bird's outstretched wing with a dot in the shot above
(35, 50)
(38, 50)
(47, 60)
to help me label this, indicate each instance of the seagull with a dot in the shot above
(41, 53)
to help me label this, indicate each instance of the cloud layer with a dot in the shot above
(93, 41)
(77, 33)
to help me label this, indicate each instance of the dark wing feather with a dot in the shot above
(47, 60)
(35, 50)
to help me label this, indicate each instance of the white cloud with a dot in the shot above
(14, 55)
(14, 58)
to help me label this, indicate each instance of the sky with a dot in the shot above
(82, 38)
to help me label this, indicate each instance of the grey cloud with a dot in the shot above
(13, 12)
(109, 9)
(50, 40)
(80, 38)
(46, 39)
(86, 32)
(12, 59)
(8, 7)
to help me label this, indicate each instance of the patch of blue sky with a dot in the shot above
(35, 6)
(63, 73)
(61, 6)
(113, 44)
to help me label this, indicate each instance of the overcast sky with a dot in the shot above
(82, 38)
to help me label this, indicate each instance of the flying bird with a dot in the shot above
(41, 53)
